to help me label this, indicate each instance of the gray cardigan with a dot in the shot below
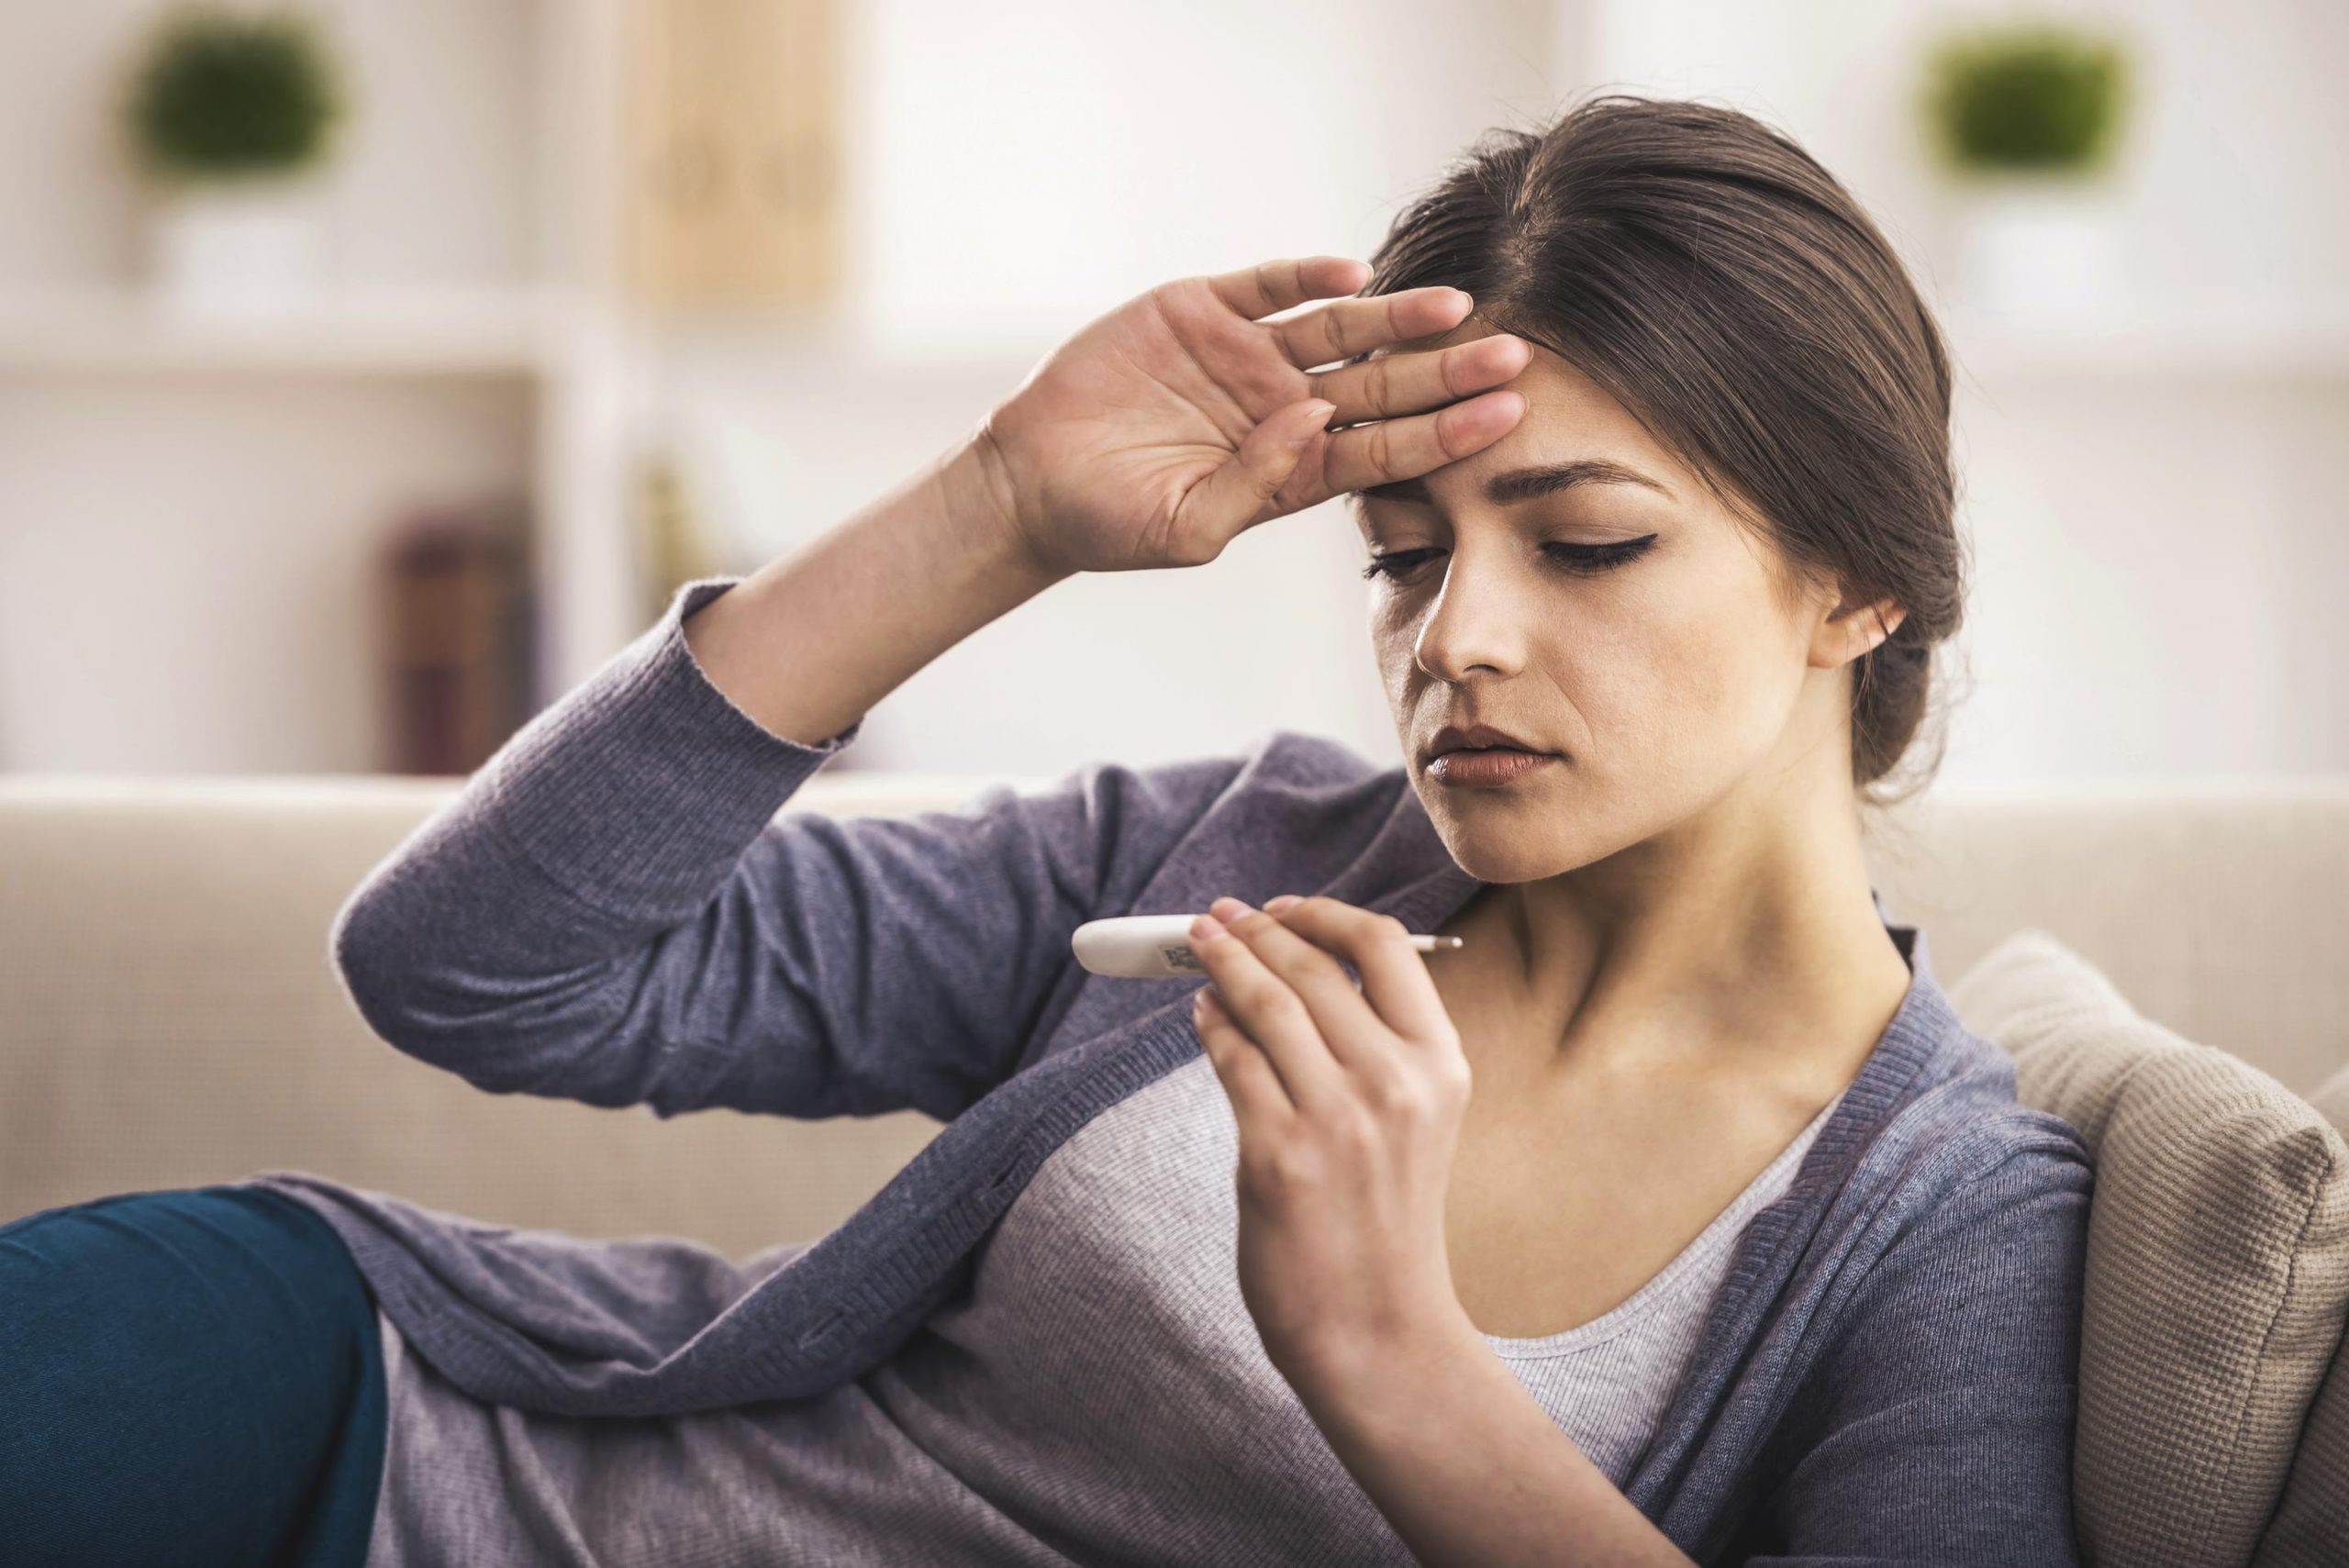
(611, 911)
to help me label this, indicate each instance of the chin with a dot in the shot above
(1498, 851)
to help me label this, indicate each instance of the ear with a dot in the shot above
(1851, 630)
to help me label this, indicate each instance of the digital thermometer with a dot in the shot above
(1154, 946)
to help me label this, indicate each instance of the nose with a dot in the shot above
(1476, 621)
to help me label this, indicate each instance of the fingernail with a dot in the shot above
(1274, 906)
(1206, 928)
(1228, 908)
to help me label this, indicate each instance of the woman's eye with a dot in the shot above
(1394, 563)
(1601, 557)
(1583, 558)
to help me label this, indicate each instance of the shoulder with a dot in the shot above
(1960, 1201)
(1289, 811)
(2011, 1193)
(1945, 1297)
(1283, 761)
(1283, 792)
(1932, 1418)
(1274, 763)
(1282, 781)
(1317, 803)
(1966, 1131)
(1308, 756)
(1970, 1202)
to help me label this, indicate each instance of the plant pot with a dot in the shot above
(250, 248)
(2036, 247)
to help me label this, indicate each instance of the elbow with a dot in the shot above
(386, 964)
(434, 984)
(365, 952)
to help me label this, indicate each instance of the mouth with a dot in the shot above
(1477, 738)
(1488, 765)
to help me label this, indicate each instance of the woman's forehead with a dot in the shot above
(1569, 419)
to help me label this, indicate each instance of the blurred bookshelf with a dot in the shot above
(516, 219)
(508, 331)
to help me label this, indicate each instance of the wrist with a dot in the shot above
(983, 497)
(1341, 1363)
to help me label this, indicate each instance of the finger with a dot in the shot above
(1223, 504)
(1258, 1100)
(1385, 450)
(1394, 976)
(1406, 383)
(1275, 1017)
(1353, 1032)
(1354, 326)
(1268, 286)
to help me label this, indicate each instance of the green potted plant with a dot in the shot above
(2026, 118)
(230, 116)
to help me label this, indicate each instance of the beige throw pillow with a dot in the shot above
(2333, 1100)
(2218, 1260)
(2312, 1525)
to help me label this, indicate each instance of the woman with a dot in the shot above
(1673, 1217)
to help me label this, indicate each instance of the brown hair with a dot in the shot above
(1725, 289)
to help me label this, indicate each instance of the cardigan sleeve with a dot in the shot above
(611, 910)
(1937, 1428)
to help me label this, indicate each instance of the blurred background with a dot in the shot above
(373, 370)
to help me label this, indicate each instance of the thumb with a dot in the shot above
(1227, 500)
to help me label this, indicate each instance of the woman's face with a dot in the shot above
(1577, 585)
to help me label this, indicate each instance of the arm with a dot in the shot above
(1468, 1467)
(610, 912)
(646, 953)
(607, 911)
(811, 643)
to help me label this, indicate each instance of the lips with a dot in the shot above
(1496, 765)
(1475, 737)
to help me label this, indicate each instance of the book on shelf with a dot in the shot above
(458, 614)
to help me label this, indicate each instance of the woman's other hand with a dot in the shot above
(1349, 1104)
(1166, 429)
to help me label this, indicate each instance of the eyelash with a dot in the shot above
(1589, 559)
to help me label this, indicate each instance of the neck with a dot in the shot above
(1744, 938)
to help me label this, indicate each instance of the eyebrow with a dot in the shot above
(1524, 483)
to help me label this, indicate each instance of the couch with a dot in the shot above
(168, 1015)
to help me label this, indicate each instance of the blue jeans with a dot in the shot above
(191, 1377)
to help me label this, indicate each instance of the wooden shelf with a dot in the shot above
(458, 332)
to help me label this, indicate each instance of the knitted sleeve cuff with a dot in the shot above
(640, 788)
